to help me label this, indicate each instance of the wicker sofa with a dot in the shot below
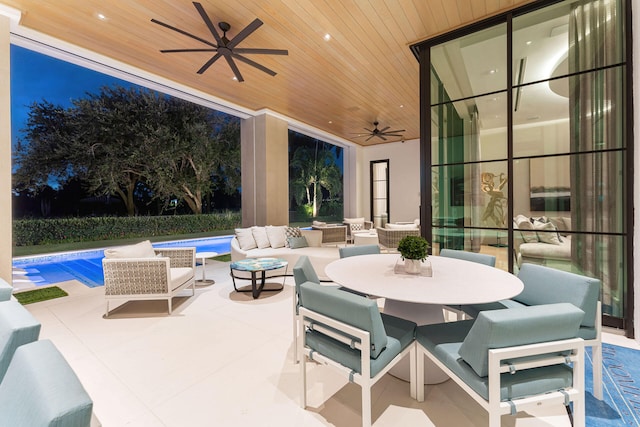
(275, 246)
(140, 272)
(390, 235)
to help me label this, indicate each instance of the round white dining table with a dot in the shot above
(420, 298)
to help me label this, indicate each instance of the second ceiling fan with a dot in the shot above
(223, 46)
(381, 133)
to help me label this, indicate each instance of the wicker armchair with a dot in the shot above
(332, 234)
(161, 276)
(389, 238)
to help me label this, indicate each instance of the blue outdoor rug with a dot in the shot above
(621, 388)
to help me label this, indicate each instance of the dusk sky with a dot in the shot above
(36, 77)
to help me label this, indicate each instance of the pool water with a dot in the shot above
(86, 266)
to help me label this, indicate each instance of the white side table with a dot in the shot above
(202, 256)
(365, 238)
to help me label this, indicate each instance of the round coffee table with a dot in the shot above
(202, 256)
(254, 266)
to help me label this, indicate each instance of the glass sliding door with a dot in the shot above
(379, 171)
(528, 151)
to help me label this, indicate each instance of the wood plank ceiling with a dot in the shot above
(364, 73)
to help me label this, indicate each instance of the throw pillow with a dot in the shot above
(245, 239)
(260, 236)
(318, 223)
(357, 226)
(523, 223)
(547, 232)
(353, 220)
(143, 249)
(297, 242)
(292, 232)
(277, 236)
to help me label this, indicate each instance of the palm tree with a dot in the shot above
(314, 169)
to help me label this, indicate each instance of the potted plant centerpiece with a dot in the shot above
(413, 250)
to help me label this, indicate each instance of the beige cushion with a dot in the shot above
(354, 220)
(245, 239)
(524, 224)
(318, 223)
(277, 236)
(139, 250)
(314, 237)
(401, 226)
(179, 275)
(260, 236)
(548, 234)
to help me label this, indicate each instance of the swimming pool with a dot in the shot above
(86, 266)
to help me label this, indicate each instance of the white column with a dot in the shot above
(5, 152)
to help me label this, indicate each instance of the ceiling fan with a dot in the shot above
(381, 133)
(223, 46)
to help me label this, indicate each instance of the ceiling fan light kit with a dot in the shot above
(222, 46)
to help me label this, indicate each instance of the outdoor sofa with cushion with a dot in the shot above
(141, 272)
(390, 235)
(288, 243)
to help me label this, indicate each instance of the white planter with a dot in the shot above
(412, 266)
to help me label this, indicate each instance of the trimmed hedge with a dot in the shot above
(28, 232)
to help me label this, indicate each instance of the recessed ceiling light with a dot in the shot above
(493, 71)
(234, 78)
(330, 122)
(401, 105)
(102, 17)
(529, 42)
(327, 37)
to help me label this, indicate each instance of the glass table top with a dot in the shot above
(258, 264)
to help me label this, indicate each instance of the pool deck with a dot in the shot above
(225, 359)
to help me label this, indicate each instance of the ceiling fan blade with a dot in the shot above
(249, 50)
(381, 137)
(244, 33)
(254, 64)
(207, 20)
(178, 30)
(234, 67)
(396, 131)
(390, 134)
(369, 138)
(369, 130)
(210, 62)
(187, 50)
(384, 129)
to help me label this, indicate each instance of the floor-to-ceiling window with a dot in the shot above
(526, 142)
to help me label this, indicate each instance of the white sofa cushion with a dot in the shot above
(401, 226)
(314, 237)
(246, 239)
(277, 236)
(260, 236)
(179, 275)
(139, 250)
(523, 223)
(548, 232)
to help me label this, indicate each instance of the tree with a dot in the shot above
(124, 137)
(314, 169)
(200, 154)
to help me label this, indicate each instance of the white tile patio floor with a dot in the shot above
(224, 359)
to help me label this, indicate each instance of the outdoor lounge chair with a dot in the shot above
(511, 360)
(348, 333)
(545, 285)
(140, 272)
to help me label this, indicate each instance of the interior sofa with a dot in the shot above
(284, 242)
(543, 241)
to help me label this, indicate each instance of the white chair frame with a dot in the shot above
(494, 406)
(363, 379)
